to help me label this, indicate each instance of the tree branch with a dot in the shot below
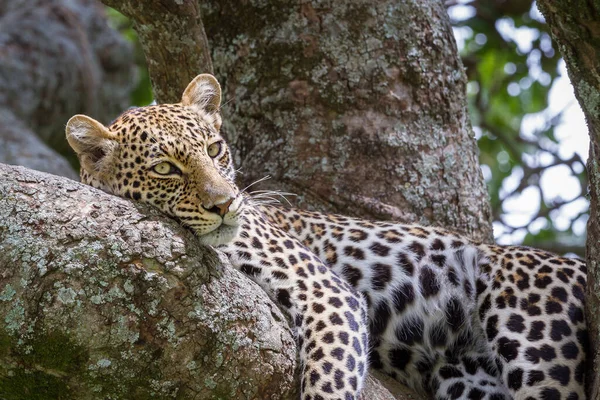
(172, 36)
(575, 27)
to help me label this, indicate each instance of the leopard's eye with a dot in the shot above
(214, 149)
(166, 168)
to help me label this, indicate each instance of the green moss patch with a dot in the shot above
(41, 368)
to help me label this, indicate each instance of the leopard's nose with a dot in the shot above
(221, 208)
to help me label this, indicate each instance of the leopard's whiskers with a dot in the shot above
(271, 194)
(264, 178)
(259, 201)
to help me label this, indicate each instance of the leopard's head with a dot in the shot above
(171, 156)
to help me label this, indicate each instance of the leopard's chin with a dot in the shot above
(224, 234)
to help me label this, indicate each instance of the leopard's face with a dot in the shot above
(171, 156)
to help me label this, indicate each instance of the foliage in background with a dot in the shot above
(511, 65)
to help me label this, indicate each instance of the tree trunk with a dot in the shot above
(575, 27)
(356, 106)
(101, 297)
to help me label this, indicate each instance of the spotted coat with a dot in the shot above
(454, 318)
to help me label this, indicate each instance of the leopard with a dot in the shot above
(448, 316)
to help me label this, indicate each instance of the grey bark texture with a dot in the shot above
(575, 27)
(57, 58)
(356, 106)
(103, 298)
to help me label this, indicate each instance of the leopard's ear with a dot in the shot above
(204, 93)
(94, 144)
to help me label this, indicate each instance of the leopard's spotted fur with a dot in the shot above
(449, 317)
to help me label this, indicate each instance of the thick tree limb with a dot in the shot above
(100, 296)
(104, 298)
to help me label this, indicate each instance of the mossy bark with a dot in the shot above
(104, 298)
(575, 27)
(356, 106)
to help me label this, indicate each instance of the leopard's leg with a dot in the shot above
(473, 376)
(330, 317)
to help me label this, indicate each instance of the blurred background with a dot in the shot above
(531, 132)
